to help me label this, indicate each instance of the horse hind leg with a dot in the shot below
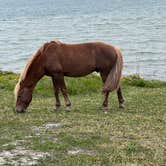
(56, 92)
(104, 105)
(120, 98)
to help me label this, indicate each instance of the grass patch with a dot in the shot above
(131, 148)
(136, 80)
(135, 136)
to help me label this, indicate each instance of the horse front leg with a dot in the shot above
(60, 85)
(63, 89)
(56, 93)
(120, 98)
(66, 98)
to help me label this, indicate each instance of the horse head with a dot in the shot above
(23, 95)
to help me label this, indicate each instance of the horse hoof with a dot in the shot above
(68, 109)
(121, 106)
(103, 109)
(56, 109)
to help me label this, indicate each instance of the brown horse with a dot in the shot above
(57, 59)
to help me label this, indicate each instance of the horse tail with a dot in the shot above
(114, 76)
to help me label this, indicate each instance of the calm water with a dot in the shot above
(138, 27)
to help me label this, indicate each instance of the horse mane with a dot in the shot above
(26, 69)
(28, 65)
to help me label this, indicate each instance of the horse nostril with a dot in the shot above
(20, 110)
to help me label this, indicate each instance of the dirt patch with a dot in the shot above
(38, 130)
(81, 151)
(15, 143)
(52, 125)
(21, 156)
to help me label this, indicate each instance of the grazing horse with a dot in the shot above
(57, 59)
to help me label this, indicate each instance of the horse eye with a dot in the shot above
(21, 82)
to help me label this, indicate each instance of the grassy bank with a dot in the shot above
(135, 136)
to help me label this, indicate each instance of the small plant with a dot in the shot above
(131, 148)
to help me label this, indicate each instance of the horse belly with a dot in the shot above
(78, 70)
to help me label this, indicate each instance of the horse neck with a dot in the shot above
(34, 75)
(32, 81)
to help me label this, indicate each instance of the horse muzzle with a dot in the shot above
(20, 110)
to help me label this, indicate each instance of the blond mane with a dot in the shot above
(25, 70)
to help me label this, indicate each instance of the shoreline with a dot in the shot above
(77, 85)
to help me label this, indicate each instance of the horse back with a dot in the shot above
(81, 59)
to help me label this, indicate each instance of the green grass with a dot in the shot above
(135, 136)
